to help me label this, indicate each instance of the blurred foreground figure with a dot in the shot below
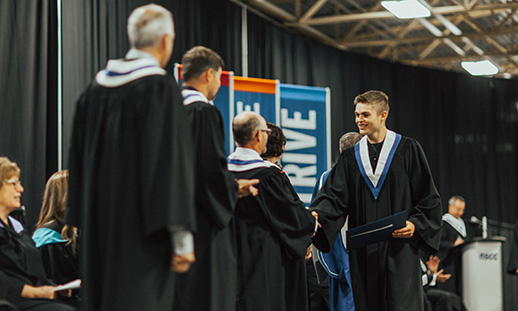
(131, 185)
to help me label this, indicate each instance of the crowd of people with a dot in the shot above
(152, 214)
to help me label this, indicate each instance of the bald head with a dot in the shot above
(245, 125)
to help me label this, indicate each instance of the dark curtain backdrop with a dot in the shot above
(28, 88)
(468, 126)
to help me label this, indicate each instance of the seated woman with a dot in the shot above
(22, 277)
(55, 240)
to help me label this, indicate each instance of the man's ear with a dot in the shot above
(384, 115)
(208, 74)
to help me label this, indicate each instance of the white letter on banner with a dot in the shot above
(299, 140)
(257, 107)
(299, 158)
(297, 122)
(301, 176)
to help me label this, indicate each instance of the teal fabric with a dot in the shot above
(44, 236)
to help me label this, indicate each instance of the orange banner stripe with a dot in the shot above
(256, 85)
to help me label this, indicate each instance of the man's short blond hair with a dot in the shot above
(377, 99)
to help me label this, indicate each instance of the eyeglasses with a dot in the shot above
(13, 182)
(267, 131)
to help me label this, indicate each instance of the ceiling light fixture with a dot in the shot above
(481, 68)
(406, 9)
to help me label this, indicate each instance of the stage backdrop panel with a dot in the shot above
(302, 112)
(306, 122)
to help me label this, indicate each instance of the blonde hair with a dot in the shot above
(8, 169)
(377, 99)
(54, 206)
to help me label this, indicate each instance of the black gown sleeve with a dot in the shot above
(10, 288)
(216, 188)
(331, 205)
(74, 201)
(426, 211)
(166, 155)
(286, 214)
(448, 237)
(60, 262)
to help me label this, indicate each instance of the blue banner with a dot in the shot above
(305, 120)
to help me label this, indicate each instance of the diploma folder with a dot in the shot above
(376, 231)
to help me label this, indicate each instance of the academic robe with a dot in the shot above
(385, 275)
(450, 257)
(130, 185)
(336, 265)
(59, 259)
(512, 261)
(273, 231)
(211, 282)
(20, 265)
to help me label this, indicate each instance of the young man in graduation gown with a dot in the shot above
(131, 186)
(211, 283)
(385, 173)
(273, 229)
(454, 233)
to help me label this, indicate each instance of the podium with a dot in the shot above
(482, 280)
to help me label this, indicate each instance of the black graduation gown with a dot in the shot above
(20, 264)
(512, 261)
(386, 275)
(59, 260)
(130, 184)
(273, 231)
(211, 283)
(450, 257)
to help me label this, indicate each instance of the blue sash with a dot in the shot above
(375, 179)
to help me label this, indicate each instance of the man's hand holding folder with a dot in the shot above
(395, 226)
(405, 233)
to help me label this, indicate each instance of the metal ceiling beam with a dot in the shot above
(444, 10)
(471, 35)
(314, 9)
(456, 58)
(491, 40)
(288, 20)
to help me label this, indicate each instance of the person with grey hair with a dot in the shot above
(454, 233)
(131, 190)
(273, 229)
(348, 140)
(216, 191)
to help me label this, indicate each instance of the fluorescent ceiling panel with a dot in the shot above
(481, 68)
(406, 9)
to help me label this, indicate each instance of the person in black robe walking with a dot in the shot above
(385, 173)
(273, 229)
(131, 185)
(211, 283)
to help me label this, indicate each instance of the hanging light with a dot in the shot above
(480, 68)
(406, 9)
